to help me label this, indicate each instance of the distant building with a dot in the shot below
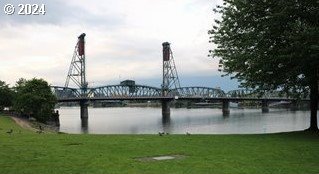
(128, 83)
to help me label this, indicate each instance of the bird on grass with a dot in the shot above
(187, 133)
(161, 133)
(41, 130)
(10, 131)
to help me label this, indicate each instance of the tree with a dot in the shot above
(6, 95)
(34, 98)
(270, 45)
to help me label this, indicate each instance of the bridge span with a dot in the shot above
(147, 93)
(170, 89)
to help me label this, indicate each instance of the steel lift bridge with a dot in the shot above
(170, 89)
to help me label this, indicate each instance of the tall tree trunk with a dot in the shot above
(314, 102)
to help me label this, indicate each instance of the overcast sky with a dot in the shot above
(123, 40)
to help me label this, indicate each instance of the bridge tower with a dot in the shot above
(170, 78)
(77, 73)
(264, 106)
(77, 67)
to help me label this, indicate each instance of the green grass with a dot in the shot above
(28, 152)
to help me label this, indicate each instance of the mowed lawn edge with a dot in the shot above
(25, 151)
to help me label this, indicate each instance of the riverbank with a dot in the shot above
(24, 123)
(25, 151)
(34, 126)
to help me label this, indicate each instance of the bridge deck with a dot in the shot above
(140, 92)
(231, 99)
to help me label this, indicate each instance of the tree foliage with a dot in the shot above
(34, 98)
(270, 44)
(6, 96)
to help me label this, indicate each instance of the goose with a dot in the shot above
(10, 131)
(161, 133)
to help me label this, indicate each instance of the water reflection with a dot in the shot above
(180, 121)
(166, 122)
(84, 125)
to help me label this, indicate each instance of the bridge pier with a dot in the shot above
(84, 125)
(166, 109)
(166, 116)
(293, 105)
(264, 106)
(166, 122)
(84, 109)
(84, 115)
(225, 108)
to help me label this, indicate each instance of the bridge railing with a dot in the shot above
(140, 91)
(124, 91)
(197, 91)
(64, 93)
(244, 93)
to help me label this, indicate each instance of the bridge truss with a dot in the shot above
(200, 92)
(125, 91)
(66, 92)
(244, 93)
(143, 92)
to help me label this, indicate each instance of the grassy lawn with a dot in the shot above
(28, 152)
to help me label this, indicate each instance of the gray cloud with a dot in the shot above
(42, 46)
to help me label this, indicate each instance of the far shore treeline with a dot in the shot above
(28, 98)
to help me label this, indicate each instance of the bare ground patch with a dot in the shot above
(26, 124)
(34, 126)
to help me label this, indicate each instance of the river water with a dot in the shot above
(148, 120)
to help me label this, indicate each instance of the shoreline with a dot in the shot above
(34, 125)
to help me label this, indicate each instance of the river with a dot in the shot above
(138, 120)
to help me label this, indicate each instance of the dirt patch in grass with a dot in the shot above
(34, 125)
(24, 123)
